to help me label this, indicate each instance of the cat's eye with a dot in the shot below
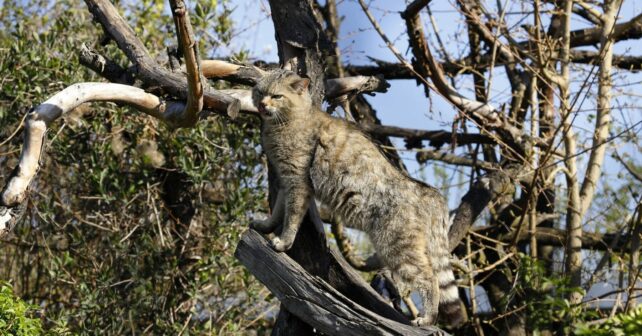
(277, 96)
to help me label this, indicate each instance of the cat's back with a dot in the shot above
(345, 150)
(351, 175)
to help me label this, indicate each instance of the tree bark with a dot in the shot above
(312, 299)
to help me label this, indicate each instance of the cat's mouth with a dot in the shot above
(264, 111)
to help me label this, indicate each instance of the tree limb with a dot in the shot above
(150, 73)
(556, 237)
(64, 101)
(489, 187)
(312, 299)
(426, 155)
(416, 38)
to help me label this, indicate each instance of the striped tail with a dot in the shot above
(451, 310)
(450, 306)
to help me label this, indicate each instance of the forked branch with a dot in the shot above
(150, 73)
(190, 55)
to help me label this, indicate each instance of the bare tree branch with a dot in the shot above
(66, 100)
(557, 237)
(144, 66)
(426, 155)
(436, 138)
(489, 187)
(189, 47)
(416, 38)
(104, 66)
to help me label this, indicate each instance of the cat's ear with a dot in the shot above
(300, 85)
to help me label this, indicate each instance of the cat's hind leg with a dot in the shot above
(428, 286)
(416, 273)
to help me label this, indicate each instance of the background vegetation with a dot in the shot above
(131, 227)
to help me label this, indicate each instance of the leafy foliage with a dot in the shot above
(545, 295)
(622, 324)
(125, 216)
(15, 315)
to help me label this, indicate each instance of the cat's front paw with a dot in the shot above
(423, 321)
(279, 245)
(262, 226)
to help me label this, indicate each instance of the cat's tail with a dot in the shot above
(450, 306)
(451, 309)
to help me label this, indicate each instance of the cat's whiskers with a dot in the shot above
(279, 118)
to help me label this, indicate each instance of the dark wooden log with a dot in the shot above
(311, 298)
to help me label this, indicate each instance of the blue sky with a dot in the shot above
(405, 104)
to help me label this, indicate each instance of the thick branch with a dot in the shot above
(573, 218)
(453, 159)
(237, 73)
(104, 66)
(436, 138)
(631, 29)
(556, 237)
(416, 38)
(354, 85)
(632, 63)
(392, 71)
(489, 187)
(63, 102)
(603, 116)
(312, 299)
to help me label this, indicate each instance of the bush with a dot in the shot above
(622, 324)
(16, 315)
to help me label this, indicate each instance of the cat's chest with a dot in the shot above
(290, 148)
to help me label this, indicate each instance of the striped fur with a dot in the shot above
(316, 155)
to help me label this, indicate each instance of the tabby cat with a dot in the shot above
(316, 155)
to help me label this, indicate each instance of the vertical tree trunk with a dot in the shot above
(298, 37)
(573, 215)
(580, 199)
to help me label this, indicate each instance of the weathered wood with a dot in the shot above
(311, 298)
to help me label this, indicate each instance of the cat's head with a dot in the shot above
(282, 95)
